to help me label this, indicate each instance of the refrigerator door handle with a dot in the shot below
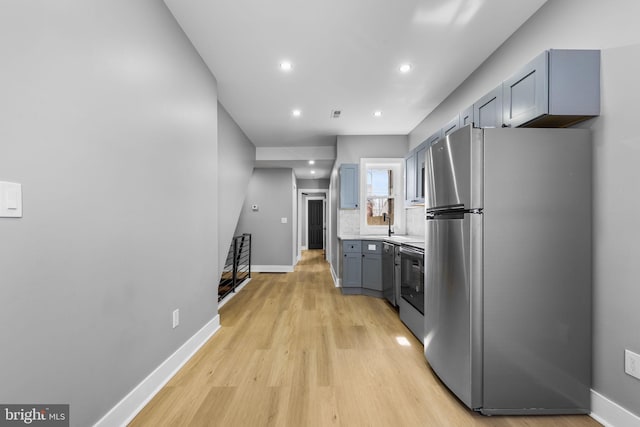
(446, 208)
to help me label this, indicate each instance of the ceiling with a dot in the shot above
(345, 55)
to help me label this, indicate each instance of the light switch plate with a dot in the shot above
(10, 200)
(632, 364)
(176, 317)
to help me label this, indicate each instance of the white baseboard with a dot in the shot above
(336, 280)
(610, 414)
(272, 268)
(132, 403)
(304, 248)
(232, 294)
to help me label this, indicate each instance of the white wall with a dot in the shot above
(612, 27)
(108, 118)
(238, 156)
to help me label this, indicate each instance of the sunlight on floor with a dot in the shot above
(403, 341)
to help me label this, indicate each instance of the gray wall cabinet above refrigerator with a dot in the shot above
(487, 111)
(466, 116)
(556, 89)
(451, 126)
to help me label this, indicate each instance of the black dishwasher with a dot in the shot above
(388, 273)
(411, 303)
(412, 287)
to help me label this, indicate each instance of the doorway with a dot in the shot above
(305, 195)
(315, 224)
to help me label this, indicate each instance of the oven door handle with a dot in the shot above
(409, 251)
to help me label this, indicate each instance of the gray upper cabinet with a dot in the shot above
(526, 92)
(487, 111)
(420, 159)
(433, 138)
(349, 188)
(410, 184)
(466, 117)
(557, 88)
(451, 126)
(414, 171)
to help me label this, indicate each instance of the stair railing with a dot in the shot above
(237, 267)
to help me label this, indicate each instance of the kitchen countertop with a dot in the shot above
(397, 239)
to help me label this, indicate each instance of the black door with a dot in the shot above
(315, 224)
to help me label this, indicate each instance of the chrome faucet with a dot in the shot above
(386, 218)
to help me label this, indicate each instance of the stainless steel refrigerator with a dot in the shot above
(508, 268)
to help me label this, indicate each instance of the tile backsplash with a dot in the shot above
(415, 221)
(348, 221)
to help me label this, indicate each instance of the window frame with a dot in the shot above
(397, 168)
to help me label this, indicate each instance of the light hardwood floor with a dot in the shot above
(293, 351)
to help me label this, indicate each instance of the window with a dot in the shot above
(379, 196)
(380, 187)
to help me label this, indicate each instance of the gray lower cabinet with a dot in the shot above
(372, 265)
(352, 270)
(362, 267)
(352, 264)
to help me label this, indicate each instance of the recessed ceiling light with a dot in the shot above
(312, 162)
(405, 68)
(313, 172)
(377, 113)
(286, 66)
(296, 113)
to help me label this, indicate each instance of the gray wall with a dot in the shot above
(108, 118)
(350, 149)
(315, 184)
(238, 156)
(614, 29)
(272, 242)
(332, 227)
